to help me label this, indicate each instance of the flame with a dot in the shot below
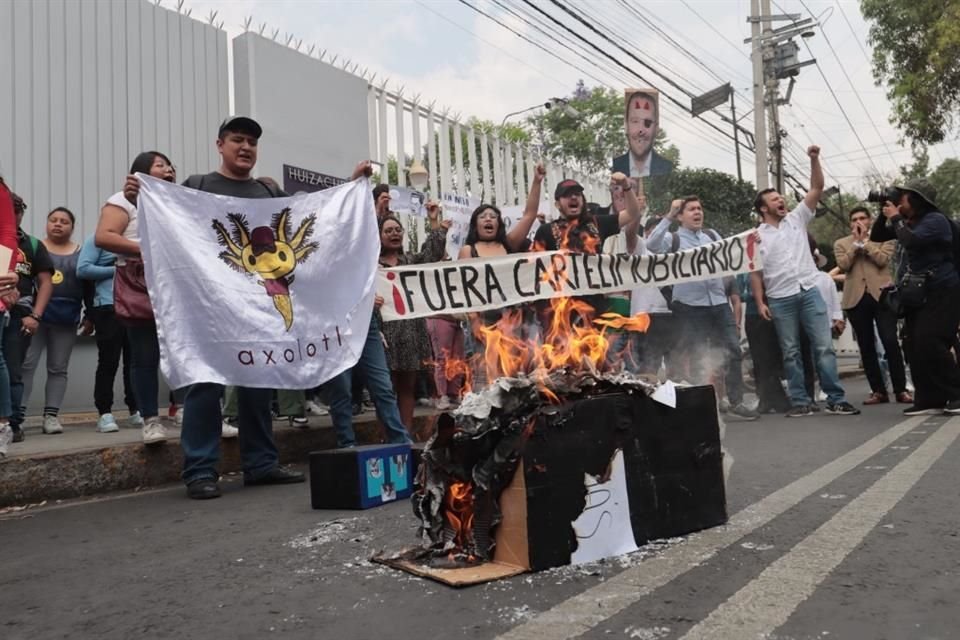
(459, 512)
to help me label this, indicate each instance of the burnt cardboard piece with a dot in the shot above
(674, 477)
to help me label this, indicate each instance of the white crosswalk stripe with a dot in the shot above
(766, 602)
(578, 614)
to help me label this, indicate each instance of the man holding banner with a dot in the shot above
(701, 309)
(231, 310)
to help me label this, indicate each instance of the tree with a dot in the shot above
(591, 139)
(946, 180)
(727, 203)
(916, 44)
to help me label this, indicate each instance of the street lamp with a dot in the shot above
(563, 103)
(418, 175)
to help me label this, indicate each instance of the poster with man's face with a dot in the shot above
(641, 123)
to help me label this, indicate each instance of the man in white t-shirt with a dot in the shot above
(789, 278)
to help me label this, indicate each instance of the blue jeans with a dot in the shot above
(202, 425)
(15, 344)
(6, 407)
(144, 368)
(376, 374)
(807, 310)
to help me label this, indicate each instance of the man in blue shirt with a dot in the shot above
(702, 310)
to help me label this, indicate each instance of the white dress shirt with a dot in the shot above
(788, 267)
(641, 169)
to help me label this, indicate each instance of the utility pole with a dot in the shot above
(774, 57)
(771, 96)
(759, 85)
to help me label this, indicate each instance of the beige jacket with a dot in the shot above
(866, 270)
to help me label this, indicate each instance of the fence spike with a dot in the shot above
(312, 47)
(289, 39)
(246, 23)
(220, 26)
(188, 12)
(179, 5)
(263, 27)
(276, 32)
(334, 58)
(212, 17)
(372, 78)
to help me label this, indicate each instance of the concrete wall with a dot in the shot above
(313, 115)
(88, 84)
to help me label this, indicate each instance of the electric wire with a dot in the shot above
(846, 75)
(677, 123)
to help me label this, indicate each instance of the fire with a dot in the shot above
(459, 513)
(565, 335)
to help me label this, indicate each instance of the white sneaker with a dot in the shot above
(316, 408)
(443, 403)
(227, 430)
(6, 436)
(107, 424)
(135, 420)
(51, 425)
(153, 432)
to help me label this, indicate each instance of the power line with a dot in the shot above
(850, 26)
(876, 129)
(593, 29)
(834, 94)
(715, 30)
(530, 22)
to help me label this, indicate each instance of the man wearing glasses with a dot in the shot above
(866, 265)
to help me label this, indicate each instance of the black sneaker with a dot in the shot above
(203, 489)
(843, 409)
(815, 408)
(18, 435)
(799, 412)
(916, 410)
(952, 408)
(277, 475)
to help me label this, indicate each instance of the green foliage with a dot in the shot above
(727, 203)
(946, 180)
(916, 44)
(591, 139)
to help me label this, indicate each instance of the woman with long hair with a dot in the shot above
(117, 231)
(8, 297)
(408, 344)
(57, 332)
(488, 236)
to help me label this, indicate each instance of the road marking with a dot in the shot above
(580, 613)
(767, 601)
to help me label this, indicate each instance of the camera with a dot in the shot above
(884, 194)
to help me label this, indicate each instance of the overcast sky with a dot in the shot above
(447, 52)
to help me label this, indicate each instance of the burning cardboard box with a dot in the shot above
(510, 483)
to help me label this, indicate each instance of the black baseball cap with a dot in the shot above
(240, 124)
(565, 188)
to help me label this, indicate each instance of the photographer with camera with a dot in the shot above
(929, 294)
(866, 266)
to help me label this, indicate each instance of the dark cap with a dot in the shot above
(262, 239)
(565, 188)
(240, 124)
(922, 188)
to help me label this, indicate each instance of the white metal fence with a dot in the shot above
(494, 170)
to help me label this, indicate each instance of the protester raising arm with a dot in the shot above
(812, 199)
(660, 238)
(517, 236)
(636, 205)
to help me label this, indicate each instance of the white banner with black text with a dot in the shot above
(479, 284)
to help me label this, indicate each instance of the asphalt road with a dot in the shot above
(841, 527)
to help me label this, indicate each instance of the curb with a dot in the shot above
(35, 478)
